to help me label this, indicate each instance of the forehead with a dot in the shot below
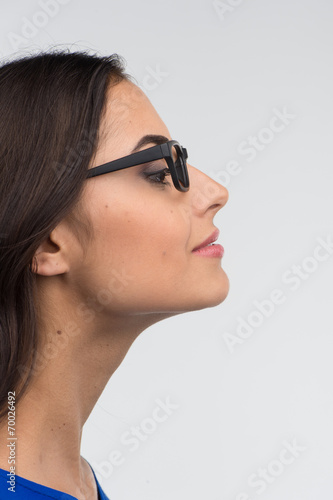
(129, 115)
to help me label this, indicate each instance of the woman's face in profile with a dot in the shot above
(140, 258)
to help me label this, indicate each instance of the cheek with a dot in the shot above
(147, 243)
(147, 237)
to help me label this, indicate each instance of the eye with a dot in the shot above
(158, 177)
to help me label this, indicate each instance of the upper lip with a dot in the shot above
(213, 237)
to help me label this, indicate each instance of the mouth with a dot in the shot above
(208, 241)
(207, 247)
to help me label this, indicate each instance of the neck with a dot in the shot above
(75, 360)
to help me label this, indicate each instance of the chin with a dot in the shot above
(211, 296)
(212, 301)
(218, 293)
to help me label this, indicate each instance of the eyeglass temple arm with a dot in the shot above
(135, 159)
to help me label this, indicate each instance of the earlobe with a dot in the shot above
(49, 259)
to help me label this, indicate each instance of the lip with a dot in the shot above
(213, 237)
(211, 251)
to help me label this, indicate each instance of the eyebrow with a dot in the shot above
(148, 139)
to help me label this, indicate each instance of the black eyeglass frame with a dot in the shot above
(147, 155)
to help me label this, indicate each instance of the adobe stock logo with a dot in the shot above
(153, 78)
(30, 27)
(254, 144)
(263, 477)
(132, 438)
(292, 279)
(223, 8)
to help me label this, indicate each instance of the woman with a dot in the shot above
(89, 258)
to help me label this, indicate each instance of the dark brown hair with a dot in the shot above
(51, 106)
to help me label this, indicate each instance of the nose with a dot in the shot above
(206, 194)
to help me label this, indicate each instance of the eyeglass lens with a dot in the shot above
(180, 164)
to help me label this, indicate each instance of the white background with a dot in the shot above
(226, 67)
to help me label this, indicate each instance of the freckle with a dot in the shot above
(63, 424)
(52, 430)
(164, 253)
(106, 206)
(59, 332)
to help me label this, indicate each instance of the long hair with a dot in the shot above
(51, 106)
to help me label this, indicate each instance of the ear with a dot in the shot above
(52, 256)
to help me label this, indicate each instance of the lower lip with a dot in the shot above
(211, 251)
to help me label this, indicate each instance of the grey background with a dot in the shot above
(226, 65)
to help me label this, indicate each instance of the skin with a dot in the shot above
(96, 298)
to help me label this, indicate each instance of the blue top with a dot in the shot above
(28, 490)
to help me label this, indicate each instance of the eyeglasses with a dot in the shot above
(173, 153)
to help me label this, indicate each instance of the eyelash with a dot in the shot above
(150, 176)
